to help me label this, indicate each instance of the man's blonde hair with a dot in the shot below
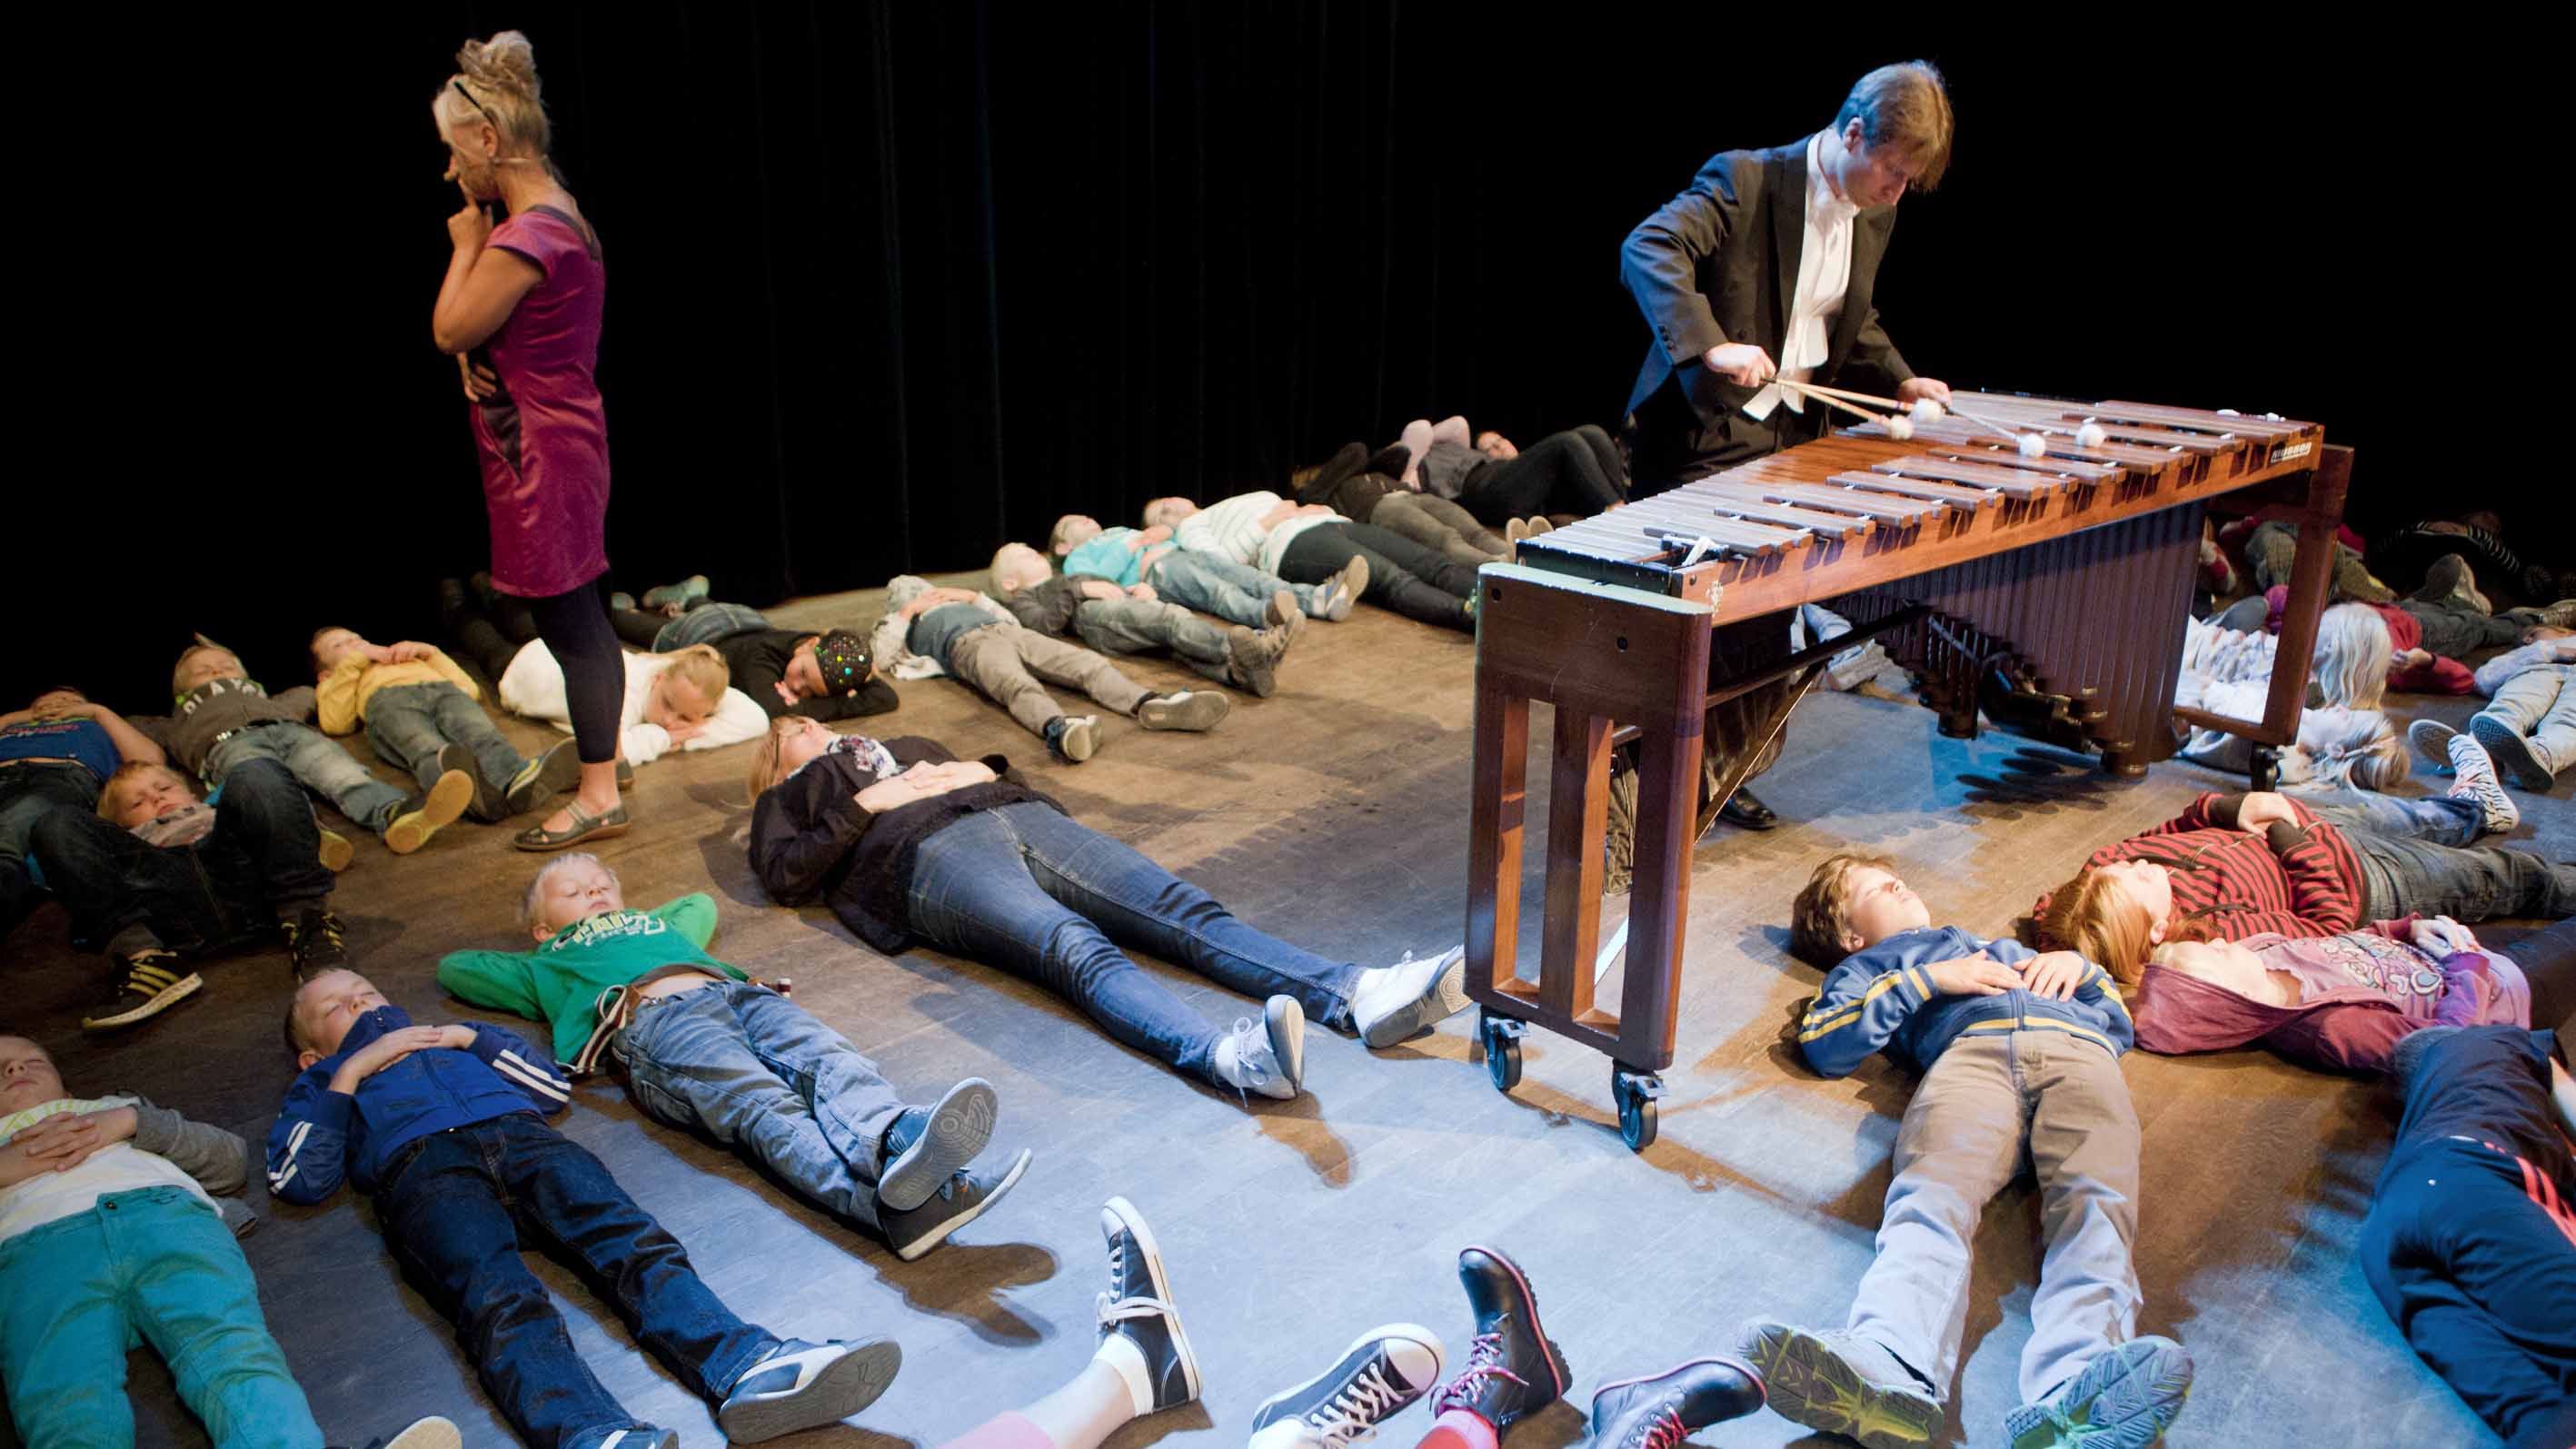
(1822, 911)
(1905, 108)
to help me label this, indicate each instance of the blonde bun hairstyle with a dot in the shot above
(496, 84)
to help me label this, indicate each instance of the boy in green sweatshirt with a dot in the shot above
(703, 1046)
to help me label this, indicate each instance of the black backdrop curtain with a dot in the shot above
(892, 283)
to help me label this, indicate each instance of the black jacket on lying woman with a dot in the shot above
(968, 858)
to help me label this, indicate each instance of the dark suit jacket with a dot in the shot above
(1719, 264)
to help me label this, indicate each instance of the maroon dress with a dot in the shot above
(543, 439)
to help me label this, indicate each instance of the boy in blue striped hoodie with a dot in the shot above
(445, 1126)
(2019, 1053)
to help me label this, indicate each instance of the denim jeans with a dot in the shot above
(264, 852)
(1050, 900)
(456, 1214)
(158, 1265)
(705, 625)
(770, 1081)
(28, 793)
(409, 723)
(1236, 593)
(1136, 626)
(2444, 819)
(320, 764)
(1419, 583)
(1985, 1102)
(2478, 883)
(2540, 705)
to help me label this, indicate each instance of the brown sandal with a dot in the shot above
(585, 826)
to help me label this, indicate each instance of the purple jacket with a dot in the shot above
(2362, 993)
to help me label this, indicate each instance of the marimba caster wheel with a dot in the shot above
(1635, 1092)
(1502, 1039)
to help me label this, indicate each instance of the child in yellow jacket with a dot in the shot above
(421, 715)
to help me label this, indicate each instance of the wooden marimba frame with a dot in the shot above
(1610, 620)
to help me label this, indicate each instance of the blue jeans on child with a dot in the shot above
(1037, 893)
(454, 1214)
(2442, 819)
(1236, 593)
(2461, 1245)
(1985, 1102)
(767, 1079)
(28, 793)
(262, 858)
(154, 1265)
(319, 764)
(706, 624)
(2467, 883)
(409, 723)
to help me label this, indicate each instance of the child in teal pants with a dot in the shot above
(109, 1237)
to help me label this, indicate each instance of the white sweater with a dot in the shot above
(1232, 529)
(533, 686)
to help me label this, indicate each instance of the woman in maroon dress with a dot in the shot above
(530, 292)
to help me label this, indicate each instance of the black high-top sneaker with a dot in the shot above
(1138, 1308)
(1512, 1369)
(1658, 1412)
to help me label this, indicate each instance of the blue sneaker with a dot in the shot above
(803, 1385)
(2122, 1400)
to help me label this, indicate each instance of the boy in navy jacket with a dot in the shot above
(444, 1126)
(2020, 1056)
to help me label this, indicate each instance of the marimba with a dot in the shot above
(2065, 576)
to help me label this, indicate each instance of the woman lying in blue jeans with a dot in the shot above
(905, 840)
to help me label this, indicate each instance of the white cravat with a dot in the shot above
(1824, 275)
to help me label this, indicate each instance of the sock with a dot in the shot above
(1123, 1358)
(1458, 1429)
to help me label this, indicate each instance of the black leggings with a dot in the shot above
(574, 625)
(1414, 581)
(1575, 472)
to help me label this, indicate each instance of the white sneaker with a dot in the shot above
(1393, 1002)
(1268, 1056)
(2432, 739)
(2478, 782)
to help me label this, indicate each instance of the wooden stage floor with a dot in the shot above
(1335, 814)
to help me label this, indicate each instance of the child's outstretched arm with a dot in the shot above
(501, 980)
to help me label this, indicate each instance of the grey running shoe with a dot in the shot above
(1843, 1385)
(2122, 1400)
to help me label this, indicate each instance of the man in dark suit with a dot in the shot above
(1766, 268)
